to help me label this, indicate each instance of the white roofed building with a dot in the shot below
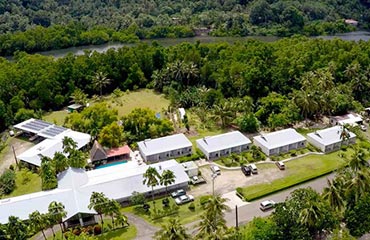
(223, 144)
(280, 141)
(159, 149)
(331, 139)
(53, 136)
(75, 187)
(352, 119)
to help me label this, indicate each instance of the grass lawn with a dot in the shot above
(122, 233)
(26, 182)
(184, 214)
(298, 171)
(144, 98)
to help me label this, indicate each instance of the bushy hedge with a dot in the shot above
(7, 182)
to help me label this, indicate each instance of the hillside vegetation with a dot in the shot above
(30, 25)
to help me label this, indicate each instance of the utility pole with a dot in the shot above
(236, 217)
(15, 156)
(214, 175)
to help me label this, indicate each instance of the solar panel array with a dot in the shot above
(37, 125)
(53, 131)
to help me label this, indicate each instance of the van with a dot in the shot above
(253, 168)
(246, 170)
(280, 165)
(215, 169)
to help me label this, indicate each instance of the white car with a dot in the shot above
(266, 205)
(363, 127)
(184, 199)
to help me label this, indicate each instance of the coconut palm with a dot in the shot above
(48, 175)
(112, 209)
(99, 203)
(60, 162)
(306, 102)
(151, 179)
(167, 178)
(78, 97)
(213, 219)
(311, 214)
(357, 160)
(334, 194)
(99, 81)
(358, 185)
(68, 145)
(173, 230)
(57, 212)
(38, 222)
(344, 134)
(191, 72)
(224, 111)
(16, 229)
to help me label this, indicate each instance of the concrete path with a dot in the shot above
(233, 200)
(145, 231)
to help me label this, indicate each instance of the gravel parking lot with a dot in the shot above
(229, 180)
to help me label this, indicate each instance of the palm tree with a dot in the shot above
(306, 102)
(99, 81)
(151, 179)
(334, 194)
(113, 209)
(191, 72)
(38, 222)
(213, 218)
(311, 214)
(57, 211)
(173, 230)
(167, 178)
(358, 185)
(358, 160)
(16, 229)
(68, 145)
(99, 203)
(78, 97)
(77, 159)
(60, 162)
(344, 134)
(224, 112)
(48, 174)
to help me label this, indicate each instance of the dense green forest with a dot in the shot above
(278, 83)
(30, 25)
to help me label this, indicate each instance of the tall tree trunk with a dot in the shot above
(62, 228)
(153, 197)
(112, 221)
(52, 229)
(43, 233)
(102, 222)
(166, 191)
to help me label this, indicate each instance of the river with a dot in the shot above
(351, 36)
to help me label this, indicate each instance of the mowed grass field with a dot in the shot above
(143, 98)
(298, 171)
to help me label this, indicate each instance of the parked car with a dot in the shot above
(253, 168)
(246, 170)
(215, 169)
(178, 193)
(184, 199)
(266, 205)
(280, 165)
(363, 127)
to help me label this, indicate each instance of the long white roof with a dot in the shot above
(164, 144)
(49, 147)
(279, 138)
(223, 141)
(329, 135)
(75, 187)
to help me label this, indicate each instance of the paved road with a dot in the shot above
(248, 212)
(145, 231)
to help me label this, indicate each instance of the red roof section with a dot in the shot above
(113, 152)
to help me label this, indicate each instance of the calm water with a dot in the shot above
(355, 36)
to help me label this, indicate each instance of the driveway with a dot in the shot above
(248, 211)
(19, 145)
(229, 180)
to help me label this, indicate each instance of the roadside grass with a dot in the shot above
(184, 214)
(124, 104)
(298, 171)
(126, 233)
(26, 182)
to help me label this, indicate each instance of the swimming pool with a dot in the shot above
(111, 164)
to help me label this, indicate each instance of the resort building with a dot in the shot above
(223, 144)
(50, 138)
(331, 139)
(75, 187)
(280, 141)
(352, 119)
(100, 156)
(160, 149)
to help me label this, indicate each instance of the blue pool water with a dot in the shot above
(111, 164)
